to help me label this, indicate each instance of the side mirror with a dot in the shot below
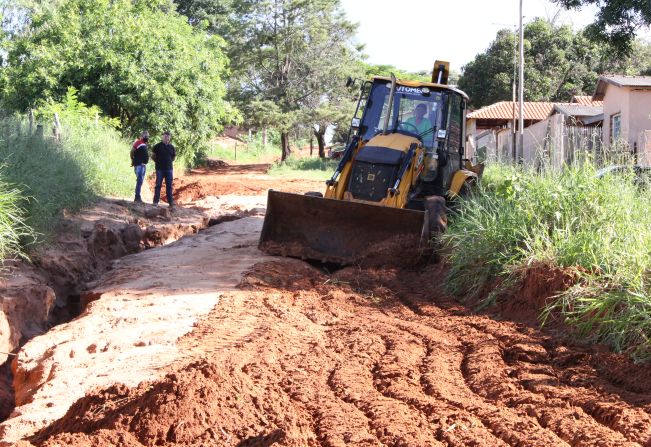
(350, 81)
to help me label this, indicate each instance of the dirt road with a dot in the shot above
(282, 353)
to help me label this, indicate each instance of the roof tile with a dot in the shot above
(631, 81)
(586, 100)
(504, 110)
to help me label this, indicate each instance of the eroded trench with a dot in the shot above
(72, 268)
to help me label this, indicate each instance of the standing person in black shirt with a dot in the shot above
(164, 155)
(139, 160)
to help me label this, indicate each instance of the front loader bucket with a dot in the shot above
(341, 232)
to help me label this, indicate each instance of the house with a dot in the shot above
(490, 127)
(503, 113)
(626, 112)
(579, 115)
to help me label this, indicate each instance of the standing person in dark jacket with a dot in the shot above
(139, 141)
(164, 155)
(139, 160)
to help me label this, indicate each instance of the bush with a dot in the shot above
(598, 227)
(89, 160)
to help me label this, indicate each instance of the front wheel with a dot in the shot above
(438, 217)
(467, 189)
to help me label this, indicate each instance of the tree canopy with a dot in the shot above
(139, 61)
(559, 63)
(289, 52)
(616, 22)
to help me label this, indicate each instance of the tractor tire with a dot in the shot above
(314, 194)
(467, 189)
(438, 218)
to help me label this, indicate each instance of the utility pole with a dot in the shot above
(514, 118)
(515, 81)
(521, 91)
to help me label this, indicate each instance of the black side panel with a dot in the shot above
(370, 181)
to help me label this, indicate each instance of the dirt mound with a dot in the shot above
(200, 404)
(538, 285)
(367, 357)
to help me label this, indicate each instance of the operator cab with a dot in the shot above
(433, 113)
(416, 111)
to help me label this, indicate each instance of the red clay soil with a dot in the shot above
(219, 178)
(367, 357)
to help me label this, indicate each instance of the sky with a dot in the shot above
(412, 34)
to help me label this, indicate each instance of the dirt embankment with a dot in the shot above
(208, 342)
(365, 357)
(38, 295)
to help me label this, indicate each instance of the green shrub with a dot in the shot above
(598, 227)
(89, 160)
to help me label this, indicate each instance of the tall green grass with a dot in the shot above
(599, 228)
(89, 160)
(14, 232)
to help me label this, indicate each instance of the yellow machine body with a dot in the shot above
(404, 158)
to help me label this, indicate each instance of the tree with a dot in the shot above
(137, 60)
(558, 64)
(487, 78)
(386, 70)
(335, 112)
(617, 20)
(289, 52)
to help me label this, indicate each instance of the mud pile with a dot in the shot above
(366, 357)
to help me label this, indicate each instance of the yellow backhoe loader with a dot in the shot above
(403, 159)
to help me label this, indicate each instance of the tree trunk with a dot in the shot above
(320, 139)
(311, 145)
(284, 144)
(264, 136)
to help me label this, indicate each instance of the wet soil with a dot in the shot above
(367, 357)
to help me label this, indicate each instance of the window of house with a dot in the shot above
(615, 127)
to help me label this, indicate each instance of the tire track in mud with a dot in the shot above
(368, 358)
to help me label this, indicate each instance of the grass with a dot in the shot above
(14, 232)
(599, 228)
(244, 154)
(252, 152)
(89, 160)
(307, 168)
